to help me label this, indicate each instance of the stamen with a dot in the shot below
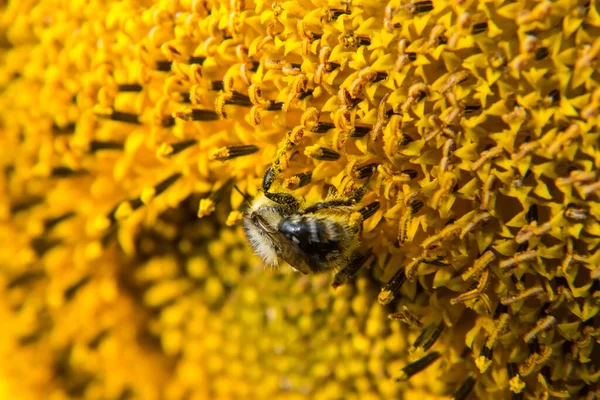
(274, 106)
(479, 28)
(422, 7)
(50, 223)
(407, 317)
(64, 129)
(465, 389)
(97, 145)
(130, 87)
(25, 278)
(163, 66)
(418, 366)
(72, 290)
(231, 152)
(196, 115)
(119, 116)
(167, 122)
(323, 127)
(365, 171)
(480, 264)
(26, 204)
(360, 131)
(368, 210)
(97, 340)
(348, 272)
(391, 290)
(175, 148)
(297, 181)
(42, 245)
(321, 153)
(433, 337)
(196, 59)
(166, 183)
(66, 172)
(543, 325)
(518, 258)
(529, 293)
(239, 99)
(217, 85)
(541, 53)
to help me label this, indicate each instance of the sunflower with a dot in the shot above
(125, 126)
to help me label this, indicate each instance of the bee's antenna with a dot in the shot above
(244, 195)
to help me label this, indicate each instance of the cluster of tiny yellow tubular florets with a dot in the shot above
(474, 124)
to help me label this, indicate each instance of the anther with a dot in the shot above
(196, 115)
(321, 153)
(25, 278)
(50, 223)
(392, 289)
(480, 264)
(360, 131)
(541, 53)
(419, 7)
(74, 288)
(543, 325)
(368, 210)
(487, 156)
(130, 87)
(406, 316)
(348, 272)
(479, 28)
(26, 204)
(42, 245)
(67, 129)
(97, 145)
(576, 213)
(364, 171)
(65, 172)
(428, 338)
(172, 149)
(163, 66)
(196, 59)
(323, 127)
(418, 366)
(119, 116)
(517, 258)
(465, 389)
(231, 152)
(526, 294)
(488, 192)
(238, 99)
(478, 220)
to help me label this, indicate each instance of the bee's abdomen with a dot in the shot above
(318, 237)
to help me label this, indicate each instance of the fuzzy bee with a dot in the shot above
(321, 237)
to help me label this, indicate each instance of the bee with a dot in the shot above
(321, 237)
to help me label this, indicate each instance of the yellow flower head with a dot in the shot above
(125, 126)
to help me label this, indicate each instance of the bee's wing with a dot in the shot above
(292, 254)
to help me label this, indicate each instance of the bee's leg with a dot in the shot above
(354, 197)
(283, 198)
(329, 204)
(348, 272)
